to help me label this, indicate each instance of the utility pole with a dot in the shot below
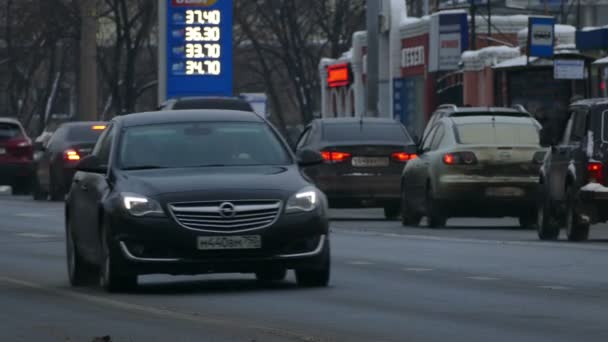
(373, 69)
(489, 4)
(87, 85)
(473, 9)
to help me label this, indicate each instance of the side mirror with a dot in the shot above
(309, 158)
(91, 164)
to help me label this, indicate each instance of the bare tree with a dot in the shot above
(294, 35)
(129, 24)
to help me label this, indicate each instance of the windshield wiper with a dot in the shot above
(144, 167)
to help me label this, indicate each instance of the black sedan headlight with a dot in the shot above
(305, 200)
(138, 205)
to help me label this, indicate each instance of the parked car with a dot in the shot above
(574, 176)
(207, 102)
(474, 166)
(56, 160)
(194, 192)
(363, 161)
(450, 110)
(16, 156)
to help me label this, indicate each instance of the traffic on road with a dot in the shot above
(312, 171)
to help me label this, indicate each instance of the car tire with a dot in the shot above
(391, 211)
(408, 216)
(80, 272)
(110, 278)
(576, 228)
(271, 275)
(316, 277)
(547, 226)
(434, 213)
(37, 193)
(55, 190)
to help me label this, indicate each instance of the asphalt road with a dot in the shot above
(477, 280)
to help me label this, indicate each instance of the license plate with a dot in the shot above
(209, 243)
(2, 150)
(505, 155)
(505, 192)
(369, 161)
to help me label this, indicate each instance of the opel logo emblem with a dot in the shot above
(227, 210)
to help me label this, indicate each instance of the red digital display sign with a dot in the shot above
(338, 75)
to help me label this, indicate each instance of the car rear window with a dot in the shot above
(83, 134)
(365, 131)
(213, 104)
(497, 134)
(9, 130)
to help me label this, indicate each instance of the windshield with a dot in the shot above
(201, 144)
(366, 131)
(83, 134)
(9, 131)
(497, 134)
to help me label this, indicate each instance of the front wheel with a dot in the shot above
(316, 277)
(80, 272)
(111, 279)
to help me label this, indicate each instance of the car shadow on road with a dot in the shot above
(212, 286)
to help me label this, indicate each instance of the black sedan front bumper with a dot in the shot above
(161, 246)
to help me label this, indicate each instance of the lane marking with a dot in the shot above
(417, 269)
(483, 278)
(563, 244)
(31, 215)
(36, 235)
(162, 312)
(360, 263)
(555, 287)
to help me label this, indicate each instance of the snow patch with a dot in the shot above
(594, 187)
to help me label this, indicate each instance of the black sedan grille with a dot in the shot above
(226, 216)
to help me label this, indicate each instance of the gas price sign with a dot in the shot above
(198, 48)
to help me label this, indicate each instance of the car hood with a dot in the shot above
(210, 182)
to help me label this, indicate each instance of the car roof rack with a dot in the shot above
(448, 106)
(520, 108)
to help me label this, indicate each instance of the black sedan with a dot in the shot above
(55, 160)
(363, 161)
(192, 192)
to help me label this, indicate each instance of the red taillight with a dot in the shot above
(460, 158)
(335, 157)
(449, 159)
(596, 172)
(403, 156)
(71, 155)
